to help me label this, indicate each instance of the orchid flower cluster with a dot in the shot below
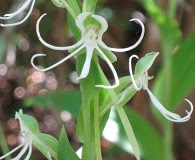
(92, 28)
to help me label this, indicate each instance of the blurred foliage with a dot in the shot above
(64, 100)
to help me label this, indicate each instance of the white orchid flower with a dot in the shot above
(17, 12)
(92, 28)
(32, 137)
(140, 81)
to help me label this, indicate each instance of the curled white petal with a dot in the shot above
(112, 69)
(103, 22)
(56, 64)
(12, 151)
(21, 152)
(167, 114)
(80, 20)
(24, 19)
(86, 66)
(11, 15)
(128, 48)
(131, 73)
(51, 46)
(29, 152)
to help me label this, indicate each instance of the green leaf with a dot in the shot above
(183, 74)
(65, 151)
(183, 71)
(149, 140)
(73, 27)
(47, 145)
(129, 132)
(3, 48)
(168, 27)
(66, 100)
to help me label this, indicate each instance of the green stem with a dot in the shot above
(106, 109)
(172, 6)
(87, 147)
(168, 139)
(129, 131)
(124, 119)
(3, 143)
(167, 127)
(167, 64)
(96, 127)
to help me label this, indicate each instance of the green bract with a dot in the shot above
(27, 123)
(145, 63)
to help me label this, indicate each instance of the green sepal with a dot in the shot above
(57, 3)
(47, 145)
(145, 63)
(75, 5)
(89, 5)
(27, 123)
(65, 151)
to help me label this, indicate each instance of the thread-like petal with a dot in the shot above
(87, 64)
(24, 19)
(51, 46)
(21, 152)
(29, 152)
(56, 64)
(112, 69)
(128, 48)
(131, 73)
(12, 151)
(11, 15)
(167, 114)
